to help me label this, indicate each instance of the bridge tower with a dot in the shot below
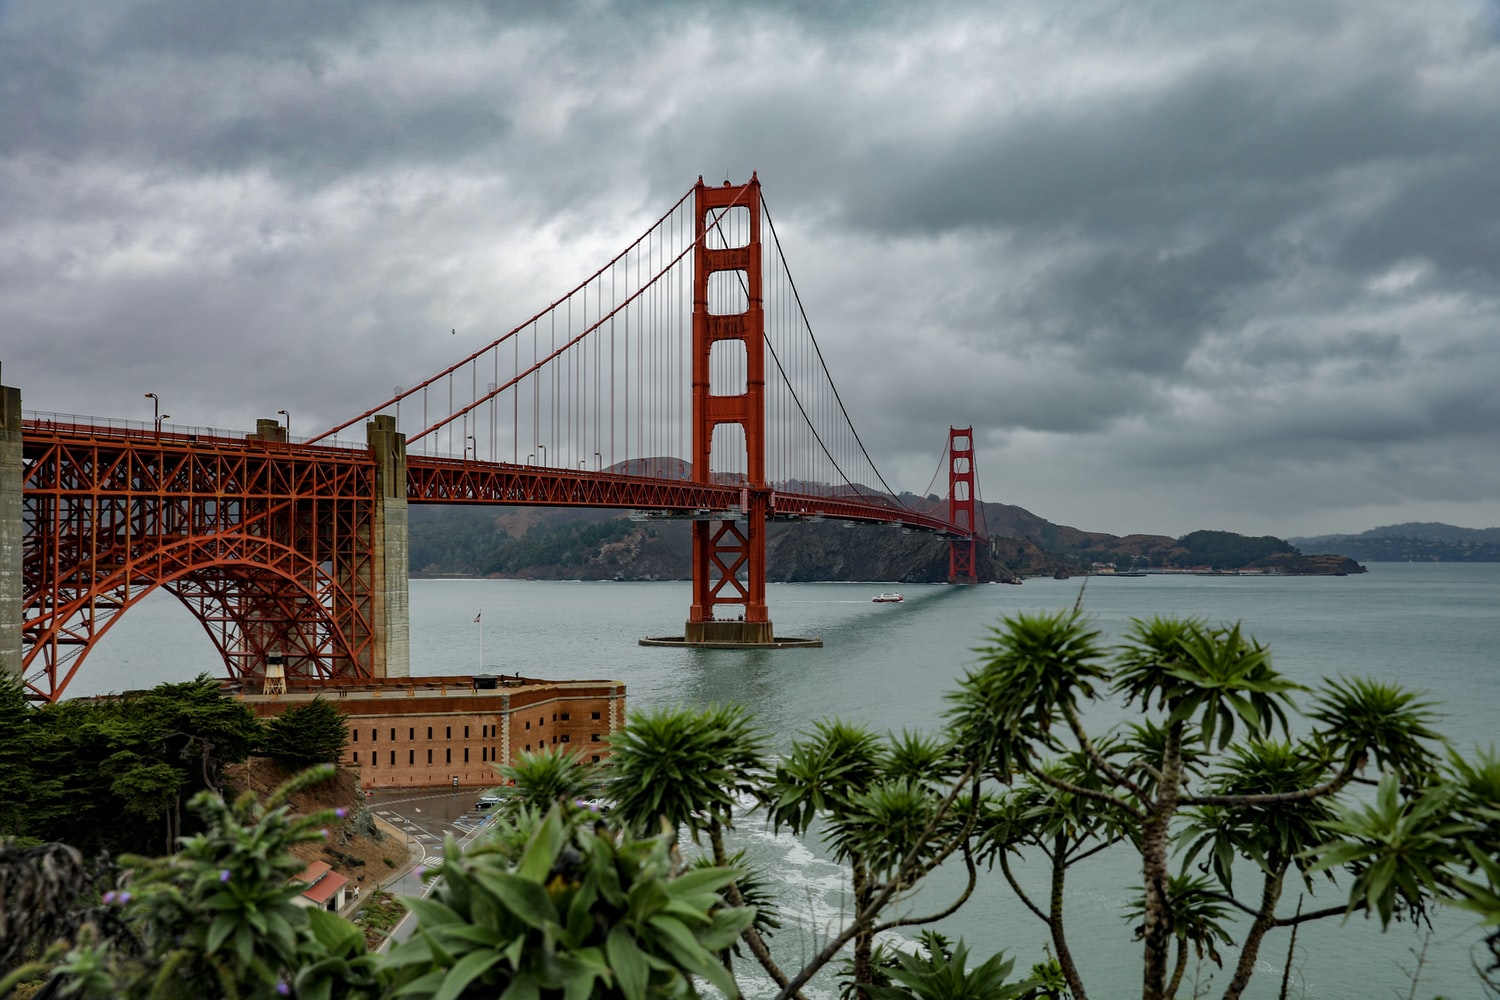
(962, 567)
(729, 555)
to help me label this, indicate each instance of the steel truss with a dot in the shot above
(268, 545)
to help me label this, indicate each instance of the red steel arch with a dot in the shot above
(269, 546)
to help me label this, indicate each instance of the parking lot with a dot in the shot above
(427, 816)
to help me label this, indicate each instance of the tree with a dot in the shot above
(1180, 781)
(303, 735)
(112, 774)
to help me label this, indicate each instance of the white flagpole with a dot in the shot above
(479, 620)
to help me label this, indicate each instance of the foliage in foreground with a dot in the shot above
(114, 774)
(1207, 785)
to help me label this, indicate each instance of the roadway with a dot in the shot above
(425, 817)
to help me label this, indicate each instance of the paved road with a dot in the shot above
(427, 817)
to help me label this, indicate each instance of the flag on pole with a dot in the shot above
(477, 617)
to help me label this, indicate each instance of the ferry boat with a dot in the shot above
(890, 597)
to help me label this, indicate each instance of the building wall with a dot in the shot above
(416, 735)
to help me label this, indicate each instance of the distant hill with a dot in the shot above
(588, 544)
(1425, 541)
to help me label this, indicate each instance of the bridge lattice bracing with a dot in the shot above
(729, 556)
(270, 547)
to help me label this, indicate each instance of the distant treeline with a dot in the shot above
(1415, 541)
(465, 542)
(1225, 550)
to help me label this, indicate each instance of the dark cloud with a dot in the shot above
(1237, 261)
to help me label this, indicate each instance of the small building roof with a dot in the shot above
(322, 882)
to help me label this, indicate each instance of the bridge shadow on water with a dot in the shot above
(878, 663)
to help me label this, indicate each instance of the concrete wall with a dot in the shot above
(391, 555)
(12, 530)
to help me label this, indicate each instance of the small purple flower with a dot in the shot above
(421, 871)
(110, 897)
(282, 989)
(123, 898)
(324, 832)
(224, 875)
(341, 812)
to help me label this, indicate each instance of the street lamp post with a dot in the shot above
(542, 449)
(470, 443)
(288, 423)
(155, 412)
(598, 463)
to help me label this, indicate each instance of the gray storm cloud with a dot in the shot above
(1180, 265)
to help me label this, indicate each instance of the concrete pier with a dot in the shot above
(12, 530)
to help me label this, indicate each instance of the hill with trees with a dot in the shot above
(1413, 541)
(572, 543)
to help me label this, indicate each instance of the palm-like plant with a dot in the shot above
(1033, 671)
(685, 767)
(545, 777)
(1199, 917)
(682, 768)
(1216, 676)
(935, 975)
(1361, 717)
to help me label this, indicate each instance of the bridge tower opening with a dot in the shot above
(962, 565)
(729, 554)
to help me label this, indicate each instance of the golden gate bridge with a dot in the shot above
(679, 380)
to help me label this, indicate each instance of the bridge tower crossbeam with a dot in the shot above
(962, 564)
(729, 556)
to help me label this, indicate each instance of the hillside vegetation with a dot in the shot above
(568, 543)
(1412, 541)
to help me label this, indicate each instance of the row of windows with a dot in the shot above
(487, 730)
(487, 753)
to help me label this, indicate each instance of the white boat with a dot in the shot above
(890, 597)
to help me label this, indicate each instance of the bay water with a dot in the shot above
(1432, 627)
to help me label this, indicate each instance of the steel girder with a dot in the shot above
(267, 545)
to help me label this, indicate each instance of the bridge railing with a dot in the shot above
(75, 423)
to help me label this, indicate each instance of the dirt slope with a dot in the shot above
(356, 848)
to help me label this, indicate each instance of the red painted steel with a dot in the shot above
(267, 544)
(962, 566)
(729, 558)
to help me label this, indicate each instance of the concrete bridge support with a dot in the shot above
(392, 603)
(12, 529)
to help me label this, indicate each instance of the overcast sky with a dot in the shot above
(1182, 265)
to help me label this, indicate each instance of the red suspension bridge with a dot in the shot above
(680, 380)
